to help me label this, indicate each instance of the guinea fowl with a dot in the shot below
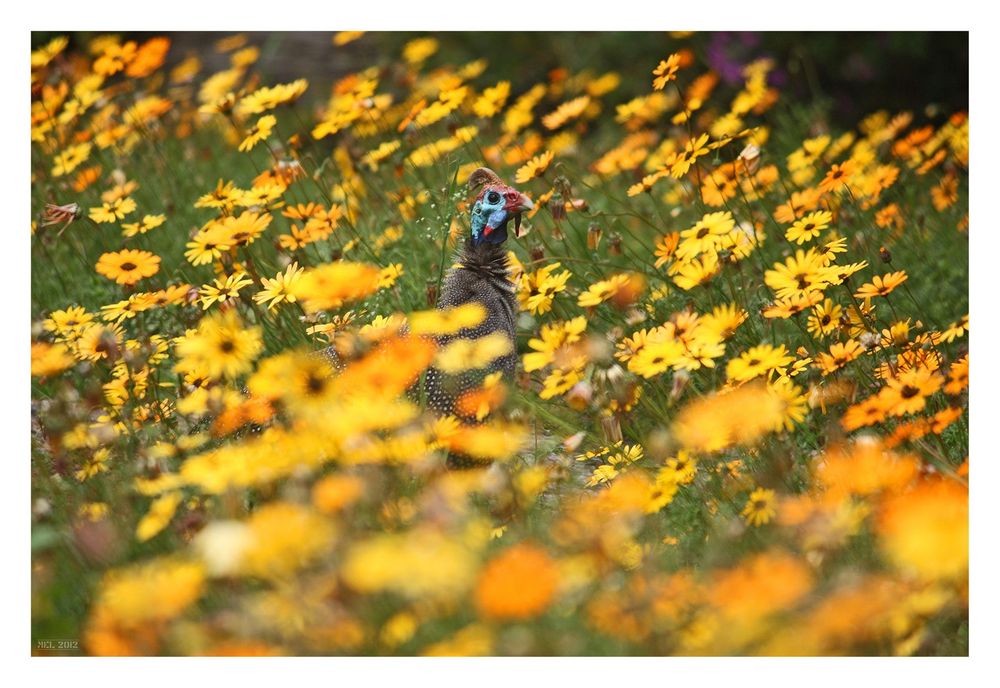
(480, 275)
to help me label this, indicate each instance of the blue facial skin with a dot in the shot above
(489, 212)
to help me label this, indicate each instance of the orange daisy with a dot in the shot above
(881, 286)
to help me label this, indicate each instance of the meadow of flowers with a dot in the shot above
(739, 425)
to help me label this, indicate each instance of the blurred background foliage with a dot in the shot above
(846, 74)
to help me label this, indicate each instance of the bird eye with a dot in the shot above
(493, 197)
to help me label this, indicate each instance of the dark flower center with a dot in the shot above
(909, 392)
(227, 346)
(128, 267)
(314, 384)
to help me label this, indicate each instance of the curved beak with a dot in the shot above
(523, 203)
(519, 206)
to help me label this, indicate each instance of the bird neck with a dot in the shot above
(484, 258)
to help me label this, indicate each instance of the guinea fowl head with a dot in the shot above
(494, 207)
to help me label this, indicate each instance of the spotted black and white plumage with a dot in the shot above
(481, 276)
